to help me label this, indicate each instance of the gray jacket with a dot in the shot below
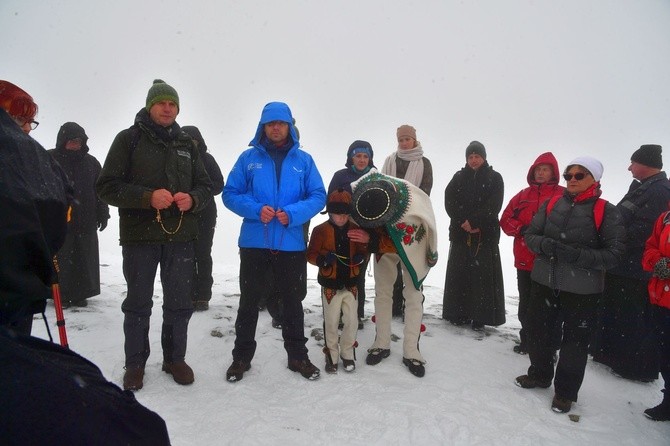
(571, 222)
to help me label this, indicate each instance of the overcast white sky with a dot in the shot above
(572, 76)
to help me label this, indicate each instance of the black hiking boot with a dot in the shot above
(415, 367)
(530, 382)
(560, 404)
(236, 370)
(181, 372)
(375, 355)
(305, 368)
(133, 379)
(520, 349)
(200, 305)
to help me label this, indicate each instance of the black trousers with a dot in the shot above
(202, 291)
(140, 263)
(578, 313)
(289, 282)
(524, 282)
(662, 330)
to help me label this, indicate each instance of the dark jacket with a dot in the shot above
(640, 208)
(35, 194)
(82, 169)
(78, 258)
(571, 223)
(523, 206)
(163, 158)
(476, 196)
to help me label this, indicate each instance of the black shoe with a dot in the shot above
(200, 305)
(133, 379)
(330, 366)
(520, 349)
(375, 355)
(415, 367)
(305, 368)
(360, 323)
(276, 323)
(349, 365)
(80, 303)
(478, 326)
(529, 382)
(659, 413)
(236, 370)
(560, 404)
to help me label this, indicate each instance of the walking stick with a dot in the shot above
(60, 319)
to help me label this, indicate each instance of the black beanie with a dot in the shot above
(648, 155)
(475, 147)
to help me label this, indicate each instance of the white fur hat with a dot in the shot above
(591, 164)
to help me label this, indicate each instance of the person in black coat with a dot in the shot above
(473, 292)
(202, 291)
(624, 335)
(79, 259)
(35, 196)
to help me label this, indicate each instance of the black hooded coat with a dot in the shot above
(79, 259)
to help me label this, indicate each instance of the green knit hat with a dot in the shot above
(160, 91)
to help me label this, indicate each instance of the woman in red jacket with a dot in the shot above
(542, 184)
(656, 259)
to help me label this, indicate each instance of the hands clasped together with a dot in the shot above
(163, 199)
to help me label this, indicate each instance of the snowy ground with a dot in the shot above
(467, 396)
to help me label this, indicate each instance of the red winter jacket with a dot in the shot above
(523, 206)
(657, 246)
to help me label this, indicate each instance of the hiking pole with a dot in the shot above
(60, 319)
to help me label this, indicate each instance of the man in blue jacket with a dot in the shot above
(276, 188)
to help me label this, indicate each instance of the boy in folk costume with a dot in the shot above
(405, 223)
(338, 247)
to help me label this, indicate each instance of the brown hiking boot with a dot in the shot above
(180, 371)
(236, 370)
(530, 382)
(560, 404)
(133, 378)
(305, 368)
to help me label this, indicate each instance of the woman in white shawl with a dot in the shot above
(407, 163)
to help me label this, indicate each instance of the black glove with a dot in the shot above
(661, 269)
(102, 224)
(566, 253)
(358, 259)
(548, 246)
(326, 260)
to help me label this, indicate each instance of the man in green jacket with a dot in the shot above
(154, 175)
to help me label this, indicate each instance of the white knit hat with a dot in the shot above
(591, 164)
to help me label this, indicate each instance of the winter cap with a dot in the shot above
(591, 164)
(339, 202)
(406, 130)
(16, 102)
(160, 91)
(475, 147)
(648, 155)
(358, 146)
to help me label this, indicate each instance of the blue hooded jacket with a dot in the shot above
(252, 184)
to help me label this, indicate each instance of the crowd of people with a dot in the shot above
(593, 277)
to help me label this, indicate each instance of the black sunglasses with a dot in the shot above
(578, 176)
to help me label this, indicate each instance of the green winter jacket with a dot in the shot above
(160, 159)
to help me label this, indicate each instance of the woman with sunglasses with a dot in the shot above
(567, 279)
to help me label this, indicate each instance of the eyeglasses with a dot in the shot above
(578, 176)
(23, 121)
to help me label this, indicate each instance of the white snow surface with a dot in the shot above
(467, 396)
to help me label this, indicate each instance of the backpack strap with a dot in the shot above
(552, 201)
